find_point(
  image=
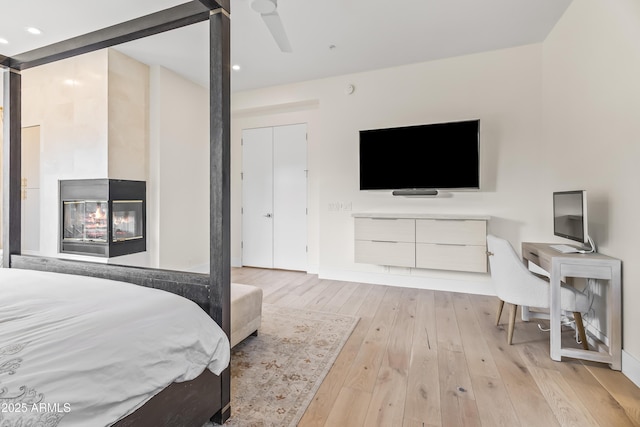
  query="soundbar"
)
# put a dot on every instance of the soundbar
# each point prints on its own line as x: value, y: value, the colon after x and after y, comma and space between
x: 415, y: 192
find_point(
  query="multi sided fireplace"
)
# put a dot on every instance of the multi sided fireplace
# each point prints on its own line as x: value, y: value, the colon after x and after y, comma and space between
x: 102, y: 217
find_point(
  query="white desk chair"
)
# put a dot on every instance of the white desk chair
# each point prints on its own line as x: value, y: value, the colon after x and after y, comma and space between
x: 516, y: 285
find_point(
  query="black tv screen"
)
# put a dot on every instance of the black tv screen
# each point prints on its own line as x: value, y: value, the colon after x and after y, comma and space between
x: 433, y: 156
x: 570, y: 215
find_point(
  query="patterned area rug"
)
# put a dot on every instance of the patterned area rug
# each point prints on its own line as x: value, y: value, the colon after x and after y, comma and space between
x: 275, y: 375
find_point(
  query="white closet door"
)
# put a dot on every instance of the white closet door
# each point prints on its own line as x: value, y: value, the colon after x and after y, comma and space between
x: 257, y: 197
x: 290, y: 197
x: 274, y: 197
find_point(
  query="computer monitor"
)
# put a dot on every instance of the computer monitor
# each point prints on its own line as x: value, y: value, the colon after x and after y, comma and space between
x: 570, y: 215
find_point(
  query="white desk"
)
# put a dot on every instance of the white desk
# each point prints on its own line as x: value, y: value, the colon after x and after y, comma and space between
x: 591, y: 266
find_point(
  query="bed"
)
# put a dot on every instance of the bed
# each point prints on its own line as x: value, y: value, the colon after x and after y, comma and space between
x: 174, y: 404
x: 86, y: 351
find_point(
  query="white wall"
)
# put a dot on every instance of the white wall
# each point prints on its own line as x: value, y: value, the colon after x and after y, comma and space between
x: 558, y: 115
x: 501, y: 88
x: 97, y: 121
x: 178, y: 205
x: 591, y: 107
x: 92, y: 113
x: 68, y: 100
x: 128, y: 110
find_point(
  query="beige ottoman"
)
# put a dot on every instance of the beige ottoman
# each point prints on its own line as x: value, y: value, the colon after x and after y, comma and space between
x: 246, y: 311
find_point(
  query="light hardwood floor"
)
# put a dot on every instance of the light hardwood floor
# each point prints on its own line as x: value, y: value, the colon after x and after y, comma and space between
x: 422, y: 358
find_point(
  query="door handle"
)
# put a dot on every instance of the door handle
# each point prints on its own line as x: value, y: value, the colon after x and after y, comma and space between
x: 269, y: 215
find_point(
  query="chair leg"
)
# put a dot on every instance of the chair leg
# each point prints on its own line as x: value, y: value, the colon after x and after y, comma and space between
x: 580, y: 327
x: 500, y: 306
x: 512, y: 322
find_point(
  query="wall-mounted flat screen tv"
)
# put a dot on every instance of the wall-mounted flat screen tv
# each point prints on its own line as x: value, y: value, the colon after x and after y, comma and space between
x: 431, y: 156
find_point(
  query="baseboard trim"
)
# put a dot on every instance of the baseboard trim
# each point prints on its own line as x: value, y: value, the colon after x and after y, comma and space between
x: 482, y: 286
x: 236, y: 262
x: 631, y: 367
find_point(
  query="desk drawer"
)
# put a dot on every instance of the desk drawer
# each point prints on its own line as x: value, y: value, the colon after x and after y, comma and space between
x: 452, y: 257
x: 540, y: 258
x: 457, y: 232
x: 385, y: 253
x: 390, y: 230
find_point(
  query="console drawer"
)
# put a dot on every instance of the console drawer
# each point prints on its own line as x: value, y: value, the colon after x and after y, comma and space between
x: 399, y: 254
x: 382, y: 229
x: 457, y: 232
x: 452, y: 257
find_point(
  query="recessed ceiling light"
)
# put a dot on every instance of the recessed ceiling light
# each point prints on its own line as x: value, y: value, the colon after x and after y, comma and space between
x: 235, y: 67
x: 33, y: 30
x: 4, y: 41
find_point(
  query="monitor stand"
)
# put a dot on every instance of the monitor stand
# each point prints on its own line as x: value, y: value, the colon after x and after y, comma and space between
x: 415, y: 192
x: 590, y: 247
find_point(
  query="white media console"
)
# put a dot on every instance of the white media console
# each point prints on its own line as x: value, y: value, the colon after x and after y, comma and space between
x: 443, y: 242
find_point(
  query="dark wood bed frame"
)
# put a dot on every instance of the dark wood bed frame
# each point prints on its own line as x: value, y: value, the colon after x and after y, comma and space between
x: 194, y: 402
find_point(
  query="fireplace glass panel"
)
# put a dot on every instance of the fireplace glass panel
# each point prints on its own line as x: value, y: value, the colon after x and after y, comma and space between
x: 102, y: 217
x: 85, y: 221
x: 127, y: 220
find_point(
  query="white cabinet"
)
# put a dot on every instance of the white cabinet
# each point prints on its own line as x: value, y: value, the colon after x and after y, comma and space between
x: 385, y: 253
x: 386, y: 229
x: 452, y: 232
x: 450, y: 242
x: 387, y: 241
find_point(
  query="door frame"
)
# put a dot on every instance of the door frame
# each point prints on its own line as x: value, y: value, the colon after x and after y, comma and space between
x: 306, y: 195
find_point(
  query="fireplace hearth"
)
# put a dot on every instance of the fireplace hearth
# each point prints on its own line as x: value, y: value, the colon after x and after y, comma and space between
x: 102, y: 217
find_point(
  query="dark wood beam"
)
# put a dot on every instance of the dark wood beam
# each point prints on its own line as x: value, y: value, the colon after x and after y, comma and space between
x: 5, y: 62
x: 216, y: 4
x: 191, y: 398
x: 155, y: 23
x: 193, y: 286
x: 11, y: 166
x: 220, y: 184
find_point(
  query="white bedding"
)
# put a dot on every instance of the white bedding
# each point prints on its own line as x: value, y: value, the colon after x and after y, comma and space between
x: 88, y: 351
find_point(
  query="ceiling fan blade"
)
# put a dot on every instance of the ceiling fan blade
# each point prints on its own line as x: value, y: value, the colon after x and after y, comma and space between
x: 274, y: 23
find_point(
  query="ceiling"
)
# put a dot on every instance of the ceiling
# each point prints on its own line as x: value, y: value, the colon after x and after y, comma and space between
x: 366, y: 34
